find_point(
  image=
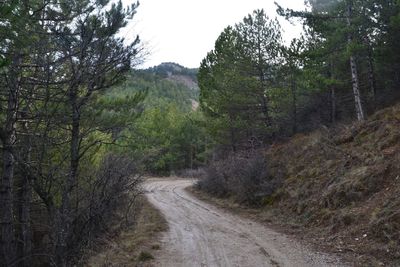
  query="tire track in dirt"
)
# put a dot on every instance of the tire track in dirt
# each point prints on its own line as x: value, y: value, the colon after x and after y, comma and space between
x: 203, y: 235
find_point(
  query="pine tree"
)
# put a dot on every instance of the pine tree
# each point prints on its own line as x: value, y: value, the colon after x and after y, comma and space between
x: 261, y: 40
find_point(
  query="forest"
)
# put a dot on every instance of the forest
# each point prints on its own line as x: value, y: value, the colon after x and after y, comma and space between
x: 81, y: 125
x: 307, y: 133
x: 61, y: 184
x: 168, y: 136
x: 343, y: 68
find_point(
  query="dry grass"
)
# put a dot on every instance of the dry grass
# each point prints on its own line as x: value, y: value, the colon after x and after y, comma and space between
x: 134, y: 247
x: 343, y: 185
x: 341, y: 189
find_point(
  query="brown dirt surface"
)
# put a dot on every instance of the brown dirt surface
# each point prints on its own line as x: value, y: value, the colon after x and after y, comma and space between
x: 201, y: 234
x: 342, y: 187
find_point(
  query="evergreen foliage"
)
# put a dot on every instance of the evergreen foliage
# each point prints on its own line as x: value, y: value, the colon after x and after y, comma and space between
x: 58, y: 58
x: 78, y: 123
x: 169, y: 135
x: 252, y: 87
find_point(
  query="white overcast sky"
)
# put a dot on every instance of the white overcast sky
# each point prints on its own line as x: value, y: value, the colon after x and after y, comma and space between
x: 183, y: 31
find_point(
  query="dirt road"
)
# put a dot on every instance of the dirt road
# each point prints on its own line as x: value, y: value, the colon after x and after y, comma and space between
x: 203, y: 235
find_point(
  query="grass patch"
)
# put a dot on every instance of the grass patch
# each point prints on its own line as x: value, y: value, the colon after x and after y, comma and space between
x: 130, y: 247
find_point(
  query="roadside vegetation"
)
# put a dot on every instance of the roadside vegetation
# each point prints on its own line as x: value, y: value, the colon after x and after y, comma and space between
x: 340, y: 186
x: 302, y: 133
x: 133, y: 246
x: 307, y: 132
x: 63, y: 186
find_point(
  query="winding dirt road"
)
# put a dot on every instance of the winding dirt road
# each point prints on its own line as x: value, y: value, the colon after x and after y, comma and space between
x: 203, y: 235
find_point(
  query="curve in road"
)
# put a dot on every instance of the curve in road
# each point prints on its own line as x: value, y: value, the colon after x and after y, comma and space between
x: 203, y: 235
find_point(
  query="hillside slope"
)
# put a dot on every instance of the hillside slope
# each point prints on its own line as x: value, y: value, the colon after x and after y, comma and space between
x: 165, y: 134
x: 345, y: 184
x: 166, y: 83
x: 338, y: 188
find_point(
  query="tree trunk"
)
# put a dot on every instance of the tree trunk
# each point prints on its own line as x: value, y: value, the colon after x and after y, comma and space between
x: 232, y: 135
x: 65, y: 217
x: 265, y: 110
x: 356, y: 89
x: 333, y: 105
x: 371, y: 76
x: 353, y: 66
x: 6, y: 202
x: 191, y: 157
x: 294, y: 104
x: 24, y: 247
x: 7, y: 237
x: 333, y: 95
x: 24, y: 194
x: 264, y: 97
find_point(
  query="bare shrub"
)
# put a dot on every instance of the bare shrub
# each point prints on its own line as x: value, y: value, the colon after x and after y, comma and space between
x: 192, y: 173
x: 107, y: 203
x: 243, y: 176
x: 214, y: 181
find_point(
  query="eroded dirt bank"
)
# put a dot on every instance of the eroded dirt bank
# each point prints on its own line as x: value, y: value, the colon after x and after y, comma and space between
x: 203, y: 235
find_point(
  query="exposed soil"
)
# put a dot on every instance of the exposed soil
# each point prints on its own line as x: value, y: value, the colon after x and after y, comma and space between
x: 341, y: 185
x: 336, y: 187
x: 203, y: 235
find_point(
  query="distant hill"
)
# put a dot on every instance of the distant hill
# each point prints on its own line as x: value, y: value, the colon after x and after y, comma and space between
x: 165, y: 83
x: 169, y: 69
x: 178, y: 74
x: 166, y: 136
